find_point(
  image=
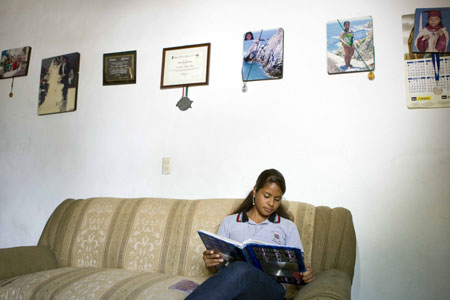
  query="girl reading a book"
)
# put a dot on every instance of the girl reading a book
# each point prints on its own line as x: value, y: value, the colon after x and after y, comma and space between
x: 262, y: 217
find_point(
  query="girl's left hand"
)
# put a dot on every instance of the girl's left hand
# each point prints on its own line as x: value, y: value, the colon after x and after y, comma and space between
x: 308, y: 276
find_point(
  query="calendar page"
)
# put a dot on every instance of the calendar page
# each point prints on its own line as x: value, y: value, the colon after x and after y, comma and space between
x: 420, y: 82
x: 420, y: 73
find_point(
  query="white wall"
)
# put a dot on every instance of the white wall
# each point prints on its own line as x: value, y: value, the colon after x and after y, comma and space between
x: 339, y: 140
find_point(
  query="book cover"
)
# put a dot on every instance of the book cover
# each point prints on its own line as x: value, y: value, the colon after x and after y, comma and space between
x: 281, y: 262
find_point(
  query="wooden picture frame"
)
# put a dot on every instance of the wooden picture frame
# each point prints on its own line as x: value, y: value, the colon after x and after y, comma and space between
x: 185, y: 66
x: 119, y: 68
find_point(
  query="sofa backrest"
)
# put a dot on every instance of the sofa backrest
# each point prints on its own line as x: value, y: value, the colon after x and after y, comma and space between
x: 160, y: 235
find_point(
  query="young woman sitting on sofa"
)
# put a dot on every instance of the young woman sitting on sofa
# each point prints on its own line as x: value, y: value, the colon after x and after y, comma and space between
x: 260, y: 217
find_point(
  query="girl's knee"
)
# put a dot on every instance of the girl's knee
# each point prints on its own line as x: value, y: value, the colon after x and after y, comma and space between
x: 240, y: 268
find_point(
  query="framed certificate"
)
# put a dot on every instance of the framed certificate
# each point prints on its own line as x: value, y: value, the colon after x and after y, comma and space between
x: 185, y: 66
x: 119, y: 68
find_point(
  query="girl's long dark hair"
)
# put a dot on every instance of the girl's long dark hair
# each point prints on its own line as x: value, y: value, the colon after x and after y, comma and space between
x: 267, y: 176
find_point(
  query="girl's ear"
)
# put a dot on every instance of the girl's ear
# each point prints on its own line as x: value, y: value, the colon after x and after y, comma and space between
x: 254, y: 191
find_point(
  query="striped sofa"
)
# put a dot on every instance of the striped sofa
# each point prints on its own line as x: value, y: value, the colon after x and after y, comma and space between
x: 111, y: 248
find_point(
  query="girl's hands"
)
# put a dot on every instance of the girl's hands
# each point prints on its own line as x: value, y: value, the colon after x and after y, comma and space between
x: 212, y: 258
x: 308, y: 276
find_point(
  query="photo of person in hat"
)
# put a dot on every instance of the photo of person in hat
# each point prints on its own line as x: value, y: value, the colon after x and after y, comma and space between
x: 434, y: 36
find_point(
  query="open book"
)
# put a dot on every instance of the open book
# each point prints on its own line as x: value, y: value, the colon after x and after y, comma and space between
x: 281, y: 262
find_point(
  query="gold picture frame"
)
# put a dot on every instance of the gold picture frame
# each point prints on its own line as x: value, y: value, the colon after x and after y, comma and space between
x: 119, y: 68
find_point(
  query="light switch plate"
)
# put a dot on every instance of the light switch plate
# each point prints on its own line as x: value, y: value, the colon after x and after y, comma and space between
x: 166, y: 165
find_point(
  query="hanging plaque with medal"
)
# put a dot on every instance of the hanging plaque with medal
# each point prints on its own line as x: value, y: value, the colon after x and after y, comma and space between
x: 263, y: 56
x: 183, y: 67
x: 350, y: 46
x: 427, y: 53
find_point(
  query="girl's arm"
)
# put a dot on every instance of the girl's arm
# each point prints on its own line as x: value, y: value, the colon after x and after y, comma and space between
x: 341, y: 36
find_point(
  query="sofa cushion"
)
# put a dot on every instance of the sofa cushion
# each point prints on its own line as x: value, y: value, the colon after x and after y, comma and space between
x: 92, y: 283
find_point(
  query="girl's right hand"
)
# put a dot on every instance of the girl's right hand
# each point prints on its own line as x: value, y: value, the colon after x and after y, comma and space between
x: 212, y: 258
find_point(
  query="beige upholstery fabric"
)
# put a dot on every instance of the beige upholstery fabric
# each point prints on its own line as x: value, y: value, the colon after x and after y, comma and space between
x: 330, y: 284
x: 92, y: 283
x: 111, y: 248
x: 152, y: 235
x: 23, y: 260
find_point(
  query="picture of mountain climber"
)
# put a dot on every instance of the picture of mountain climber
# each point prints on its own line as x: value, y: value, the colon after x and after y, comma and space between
x: 433, y: 37
x: 350, y: 45
x: 263, y: 55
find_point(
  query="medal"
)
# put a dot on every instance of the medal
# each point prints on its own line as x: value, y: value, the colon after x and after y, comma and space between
x: 11, y: 93
x: 371, y: 75
x: 244, y: 88
x: 184, y: 103
x: 437, y: 90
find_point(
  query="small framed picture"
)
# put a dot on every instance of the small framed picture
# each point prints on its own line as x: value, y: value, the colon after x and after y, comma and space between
x: 263, y: 55
x: 119, y: 68
x: 350, y: 46
x: 58, y: 84
x: 185, y: 66
x: 15, y: 62
x: 430, y: 30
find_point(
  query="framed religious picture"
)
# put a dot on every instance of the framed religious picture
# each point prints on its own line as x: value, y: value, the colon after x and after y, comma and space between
x: 58, y: 84
x: 350, y: 46
x: 185, y: 66
x: 119, y: 68
x: 430, y: 30
x: 263, y: 55
x: 15, y: 62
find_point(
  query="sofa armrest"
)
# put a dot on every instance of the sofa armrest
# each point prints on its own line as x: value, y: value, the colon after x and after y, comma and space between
x: 23, y: 260
x: 331, y: 284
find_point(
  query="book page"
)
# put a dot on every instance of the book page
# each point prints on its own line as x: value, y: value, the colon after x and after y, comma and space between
x: 236, y: 243
x: 251, y: 241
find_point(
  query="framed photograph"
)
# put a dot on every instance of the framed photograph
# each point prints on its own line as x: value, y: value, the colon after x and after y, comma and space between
x: 119, y: 68
x: 263, y: 55
x: 15, y: 62
x: 430, y: 30
x: 185, y: 66
x: 350, y: 46
x: 58, y: 84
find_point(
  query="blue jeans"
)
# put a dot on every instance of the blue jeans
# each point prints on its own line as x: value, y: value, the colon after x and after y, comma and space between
x: 239, y: 281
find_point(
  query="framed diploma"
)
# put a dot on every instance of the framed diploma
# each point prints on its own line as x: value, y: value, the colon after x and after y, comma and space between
x: 185, y: 66
x: 119, y: 68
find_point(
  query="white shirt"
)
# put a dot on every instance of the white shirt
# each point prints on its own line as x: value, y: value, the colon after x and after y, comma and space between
x: 275, y: 230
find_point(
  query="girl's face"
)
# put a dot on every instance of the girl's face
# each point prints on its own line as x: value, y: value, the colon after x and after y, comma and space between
x: 434, y: 21
x: 248, y: 36
x: 267, y: 199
